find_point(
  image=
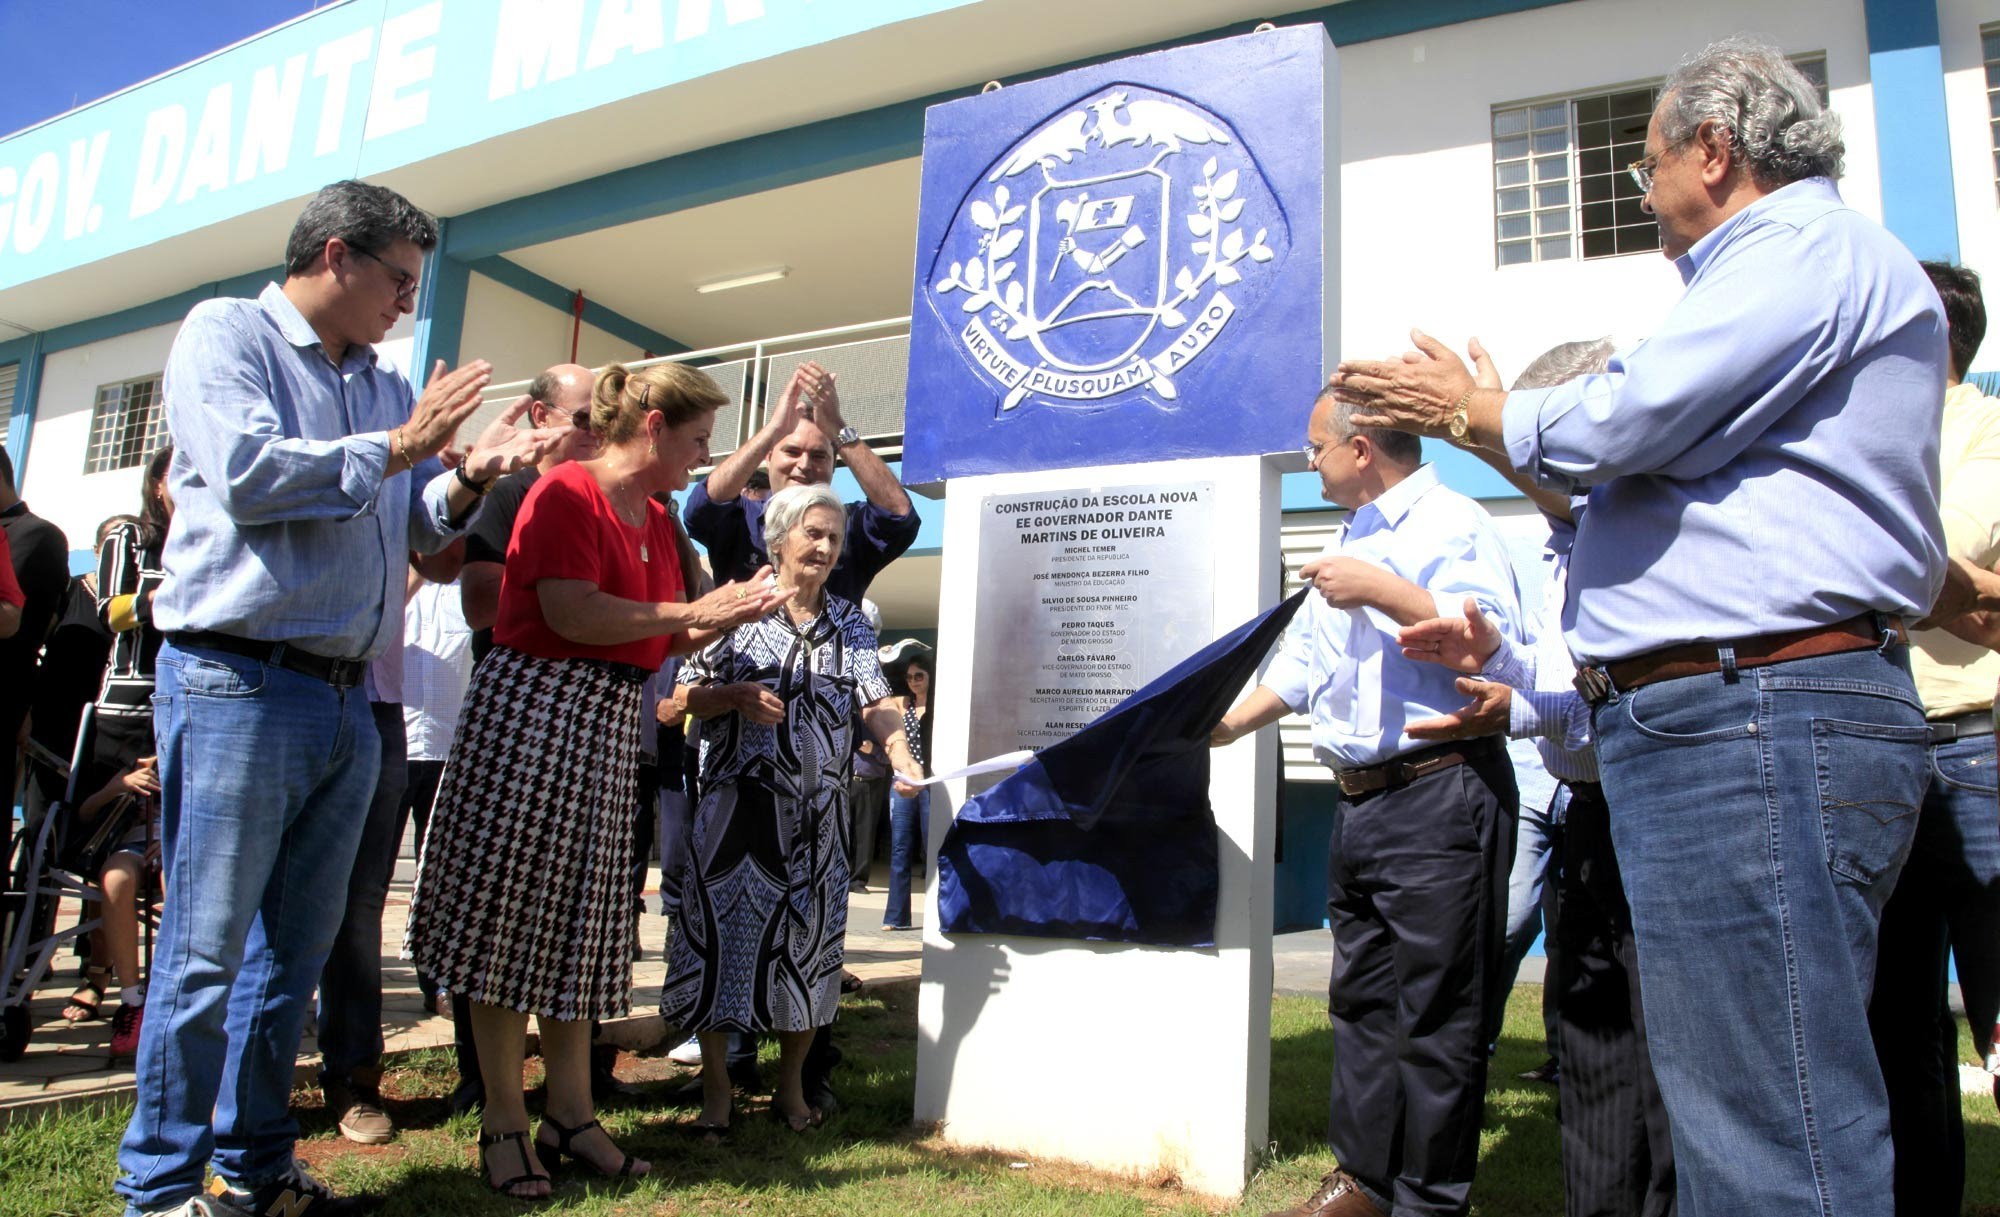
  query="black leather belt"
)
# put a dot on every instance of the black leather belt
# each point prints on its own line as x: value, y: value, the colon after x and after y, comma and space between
x: 624, y: 673
x: 1969, y: 725
x: 340, y: 673
x: 1401, y: 771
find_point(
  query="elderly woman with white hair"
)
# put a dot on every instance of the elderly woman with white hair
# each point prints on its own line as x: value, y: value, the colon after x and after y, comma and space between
x: 759, y: 942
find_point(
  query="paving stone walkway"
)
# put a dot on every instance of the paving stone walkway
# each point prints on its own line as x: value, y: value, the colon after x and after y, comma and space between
x: 69, y: 1064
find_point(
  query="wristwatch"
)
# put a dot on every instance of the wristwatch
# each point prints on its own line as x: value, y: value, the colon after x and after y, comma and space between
x: 847, y: 438
x: 1460, y: 424
x: 477, y: 488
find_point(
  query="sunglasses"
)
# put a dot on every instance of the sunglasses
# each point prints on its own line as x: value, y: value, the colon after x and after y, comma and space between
x: 406, y: 283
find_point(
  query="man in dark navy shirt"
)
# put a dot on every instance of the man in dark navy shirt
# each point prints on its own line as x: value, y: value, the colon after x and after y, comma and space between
x: 800, y: 440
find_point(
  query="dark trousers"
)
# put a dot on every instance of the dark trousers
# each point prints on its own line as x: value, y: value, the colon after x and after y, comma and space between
x: 1417, y: 892
x: 420, y: 793
x: 867, y: 803
x: 1947, y: 901
x: 1618, y: 1154
x: 350, y: 986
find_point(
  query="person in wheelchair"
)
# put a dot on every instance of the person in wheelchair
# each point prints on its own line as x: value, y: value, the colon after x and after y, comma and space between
x: 117, y: 839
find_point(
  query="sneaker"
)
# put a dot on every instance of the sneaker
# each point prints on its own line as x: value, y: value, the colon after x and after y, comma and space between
x: 125, y: 1030
x: 357, y: 1104
x: 688, y: 1053
x: 296, y: 1194
x: 193, y: 1206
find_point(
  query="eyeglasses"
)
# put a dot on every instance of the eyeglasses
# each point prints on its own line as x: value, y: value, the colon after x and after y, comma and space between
x: 1643, y: 168
x: 1315, y: 451
x: 406, y: 283
x: 580, y: 419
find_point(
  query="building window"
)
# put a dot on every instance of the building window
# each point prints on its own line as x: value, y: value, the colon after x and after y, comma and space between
x: 1560, y: 189
x: 10, y: 376
x: 1990, y: 37
x: 127, y: 425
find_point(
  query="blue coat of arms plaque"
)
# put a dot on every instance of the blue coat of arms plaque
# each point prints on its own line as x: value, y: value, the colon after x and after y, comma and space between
x: 1127, y: 262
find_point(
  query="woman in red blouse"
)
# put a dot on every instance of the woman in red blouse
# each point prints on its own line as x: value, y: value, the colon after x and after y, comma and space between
x: 523, y: 898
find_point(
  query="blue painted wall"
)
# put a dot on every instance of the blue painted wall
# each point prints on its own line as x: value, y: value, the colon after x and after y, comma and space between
x: 1906, y: 68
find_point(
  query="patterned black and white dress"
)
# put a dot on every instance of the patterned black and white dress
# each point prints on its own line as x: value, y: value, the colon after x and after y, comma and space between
x: 524, y: 891
x: 761, y: 935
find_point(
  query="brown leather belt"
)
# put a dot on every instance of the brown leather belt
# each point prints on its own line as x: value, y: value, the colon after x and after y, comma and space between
x: 1402, y: 770
x: 1865, y: 632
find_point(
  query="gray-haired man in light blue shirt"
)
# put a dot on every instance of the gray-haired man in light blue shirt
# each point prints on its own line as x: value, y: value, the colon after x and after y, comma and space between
x: 1762, y: 521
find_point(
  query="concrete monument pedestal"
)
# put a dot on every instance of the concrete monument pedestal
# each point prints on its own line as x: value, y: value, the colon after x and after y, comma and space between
x: 1081, y: 1050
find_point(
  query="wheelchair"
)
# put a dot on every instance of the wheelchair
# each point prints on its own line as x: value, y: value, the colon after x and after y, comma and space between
x: 56, y: 858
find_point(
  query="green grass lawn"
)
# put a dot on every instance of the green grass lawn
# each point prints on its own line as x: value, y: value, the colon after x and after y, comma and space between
x: 868, y: 1161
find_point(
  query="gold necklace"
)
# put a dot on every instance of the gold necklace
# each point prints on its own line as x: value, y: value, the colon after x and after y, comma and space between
x: 624, y: 515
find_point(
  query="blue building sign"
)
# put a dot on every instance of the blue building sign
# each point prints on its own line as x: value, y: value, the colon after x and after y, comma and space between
x: 1126, y: 262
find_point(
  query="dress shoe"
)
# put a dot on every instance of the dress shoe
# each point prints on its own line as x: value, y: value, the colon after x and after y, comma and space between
x: 468, y: 1096
x: 1338, y: 1196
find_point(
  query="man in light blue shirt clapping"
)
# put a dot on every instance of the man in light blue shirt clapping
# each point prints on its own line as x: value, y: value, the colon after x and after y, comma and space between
x: 1762, y: 521
x: 1423, y: 834
x: 302, y: 477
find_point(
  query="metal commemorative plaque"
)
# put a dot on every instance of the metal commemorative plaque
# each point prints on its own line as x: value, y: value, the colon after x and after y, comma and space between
x: 1085, y: 595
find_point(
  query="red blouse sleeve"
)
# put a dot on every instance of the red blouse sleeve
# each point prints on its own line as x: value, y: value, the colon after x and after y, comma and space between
x: 10, y: 588
x: 556, y: 536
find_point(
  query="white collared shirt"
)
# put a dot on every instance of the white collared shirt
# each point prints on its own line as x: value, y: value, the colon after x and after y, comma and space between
x: 1345, y: 668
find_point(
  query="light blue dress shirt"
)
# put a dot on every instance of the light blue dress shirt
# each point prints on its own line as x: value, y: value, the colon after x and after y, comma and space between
x: 284, y: 529
x: 1545, y: 706
x: 1345, y: 668
x: 1767, y: 461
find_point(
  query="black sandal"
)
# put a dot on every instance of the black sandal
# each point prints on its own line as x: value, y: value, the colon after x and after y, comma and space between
x: 81, y: 1009
x: 552, y: 1155
x: 520, y: 1138
x: 712, y: 1134
x: 813, y: 1118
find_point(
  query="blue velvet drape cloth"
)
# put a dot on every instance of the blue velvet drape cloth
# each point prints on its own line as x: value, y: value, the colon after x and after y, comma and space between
x: 1109, y: 835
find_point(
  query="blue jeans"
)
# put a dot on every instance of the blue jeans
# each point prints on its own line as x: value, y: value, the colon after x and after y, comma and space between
x: 350, y: 989
x: 1947, y: 902
x: 265, y: 777
x: 907, y: 817
x: 1760, y: 819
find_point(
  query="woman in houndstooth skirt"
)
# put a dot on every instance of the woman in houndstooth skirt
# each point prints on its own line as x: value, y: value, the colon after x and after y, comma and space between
x: 523, y: 898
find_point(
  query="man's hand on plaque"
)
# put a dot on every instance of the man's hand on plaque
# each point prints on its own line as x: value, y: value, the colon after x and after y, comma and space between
x: 1463, y: 644
x: 1486, y: 714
